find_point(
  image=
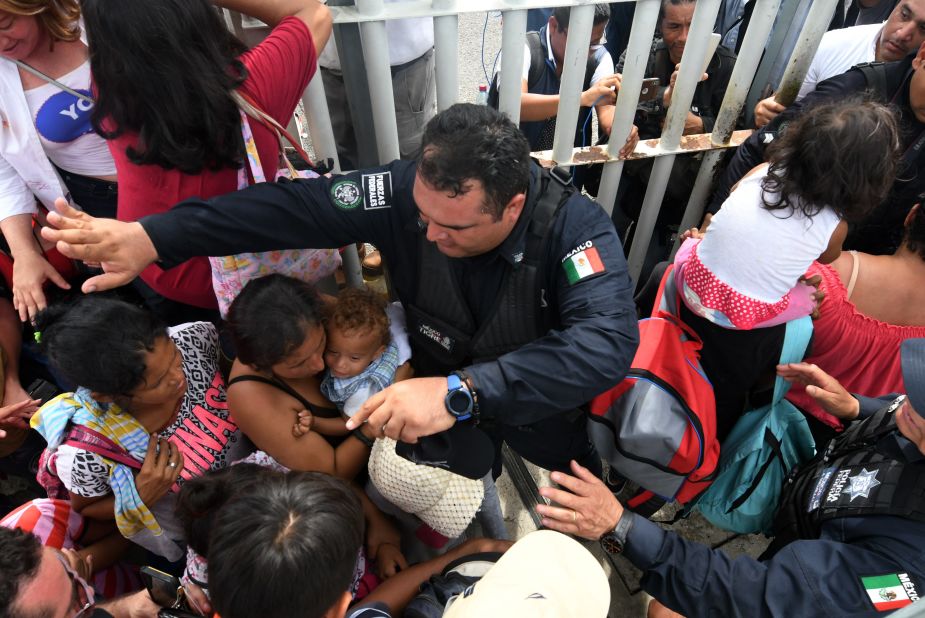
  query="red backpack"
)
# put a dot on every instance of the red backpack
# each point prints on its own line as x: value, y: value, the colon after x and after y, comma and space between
x: 657, y: 427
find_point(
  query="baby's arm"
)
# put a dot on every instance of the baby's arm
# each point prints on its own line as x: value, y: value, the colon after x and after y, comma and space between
x: 306, y: 421
x: 330, y: 426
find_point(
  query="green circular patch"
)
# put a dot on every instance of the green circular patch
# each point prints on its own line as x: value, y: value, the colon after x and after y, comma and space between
x: 346, y: 194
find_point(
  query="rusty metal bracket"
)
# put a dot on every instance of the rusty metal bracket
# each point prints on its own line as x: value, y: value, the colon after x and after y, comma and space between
x: 645, y: 149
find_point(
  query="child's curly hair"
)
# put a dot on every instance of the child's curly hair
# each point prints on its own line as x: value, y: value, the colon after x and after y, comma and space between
x: 360, y: 311
x: 843, y: 155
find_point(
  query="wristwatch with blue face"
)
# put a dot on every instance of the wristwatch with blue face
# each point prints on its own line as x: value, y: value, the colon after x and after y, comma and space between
x: 458, y: 400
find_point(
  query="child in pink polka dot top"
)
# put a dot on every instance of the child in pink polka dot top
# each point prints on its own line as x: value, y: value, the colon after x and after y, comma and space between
x: 831, y: 166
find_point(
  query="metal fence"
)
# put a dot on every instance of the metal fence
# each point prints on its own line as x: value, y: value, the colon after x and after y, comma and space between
x: 371, y: 15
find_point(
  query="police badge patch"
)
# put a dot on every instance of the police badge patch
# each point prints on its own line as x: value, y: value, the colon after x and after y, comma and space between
x: 346, y: 194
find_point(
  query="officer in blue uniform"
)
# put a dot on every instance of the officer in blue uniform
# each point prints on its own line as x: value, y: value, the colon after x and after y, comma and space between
x: 849, y: 528
x: 516, y: 290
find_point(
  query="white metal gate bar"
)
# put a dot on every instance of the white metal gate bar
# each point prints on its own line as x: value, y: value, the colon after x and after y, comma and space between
x: 319, y: 122
x: 574, y: 62
x: 694, y: 53
x: 446, y: 52
x: 817, y: 21
x: 379, y: 78
x: 513, y: 37
x: 637, y: 55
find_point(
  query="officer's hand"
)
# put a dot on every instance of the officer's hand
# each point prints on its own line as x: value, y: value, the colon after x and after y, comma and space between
x: 767, y: 110
x: 123, y: 249
x: 587, y: 509
x: 823, y: 388
x: 407, y: 410
x: 911, y: 425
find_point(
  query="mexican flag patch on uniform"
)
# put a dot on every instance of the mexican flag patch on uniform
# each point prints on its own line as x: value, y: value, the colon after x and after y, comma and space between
x: 888, y: 592
x: 582, y: 265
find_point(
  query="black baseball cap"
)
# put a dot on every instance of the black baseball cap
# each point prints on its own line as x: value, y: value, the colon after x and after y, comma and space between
x: 463, y: 449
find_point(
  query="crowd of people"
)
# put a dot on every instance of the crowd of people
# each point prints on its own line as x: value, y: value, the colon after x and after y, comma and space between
x: 212, y: 434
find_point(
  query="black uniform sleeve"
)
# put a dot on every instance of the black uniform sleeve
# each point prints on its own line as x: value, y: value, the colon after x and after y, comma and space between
x: 751, y: 152
x: 820, y: 577
x: 870, y: 405
x: 317, y: 213
x: 596, y: 342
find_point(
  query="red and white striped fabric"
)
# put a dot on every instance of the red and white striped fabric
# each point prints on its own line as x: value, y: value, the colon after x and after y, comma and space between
x: 58, y: 526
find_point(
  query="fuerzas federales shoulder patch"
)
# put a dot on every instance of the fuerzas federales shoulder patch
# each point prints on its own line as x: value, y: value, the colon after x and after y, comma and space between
x: 891, y: 591
x: 582, y: 262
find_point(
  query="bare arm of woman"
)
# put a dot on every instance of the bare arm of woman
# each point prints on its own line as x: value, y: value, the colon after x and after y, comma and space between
x: 105, y: 552
x: 100, y: 507
x: 832, y: 252
x: 265, y: 416
x: 30, y: 268
x: 315, y: 15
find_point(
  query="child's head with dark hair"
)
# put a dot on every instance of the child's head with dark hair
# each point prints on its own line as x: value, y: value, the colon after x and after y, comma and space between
x: 105, y: 345
x: 275, y: 323
x: 288, y: 547
x: 358, y: 331
x: 839, y: 155
x: 201, y: 498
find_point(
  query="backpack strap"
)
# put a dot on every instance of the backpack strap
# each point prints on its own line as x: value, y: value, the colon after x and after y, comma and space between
x: 796, y: 340
x: 537, y: 59
x: 875, y: 74
x: 87, y: 439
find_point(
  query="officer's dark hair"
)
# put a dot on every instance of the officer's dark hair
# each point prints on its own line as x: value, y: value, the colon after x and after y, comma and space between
x: 840, y: 155
x: 99, y: 343
x: 164, y: 69
x: 20, y: 557
x: 665, y: 4
x: 286, y: 548
x: 914, y: 233
x: 271, y: 317
x: 475, y: 142
x: 601, y: 15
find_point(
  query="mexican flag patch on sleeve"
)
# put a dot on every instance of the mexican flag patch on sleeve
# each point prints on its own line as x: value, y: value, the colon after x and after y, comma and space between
x: 582, y: 265
x: 888, y: 592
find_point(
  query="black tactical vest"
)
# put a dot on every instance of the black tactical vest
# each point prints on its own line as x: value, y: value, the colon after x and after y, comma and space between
x: 445, y: 336
x: 852, y: 478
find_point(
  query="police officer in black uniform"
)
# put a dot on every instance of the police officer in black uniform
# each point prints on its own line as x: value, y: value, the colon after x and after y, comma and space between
x: 518, y: 299
x: 849, y: 528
